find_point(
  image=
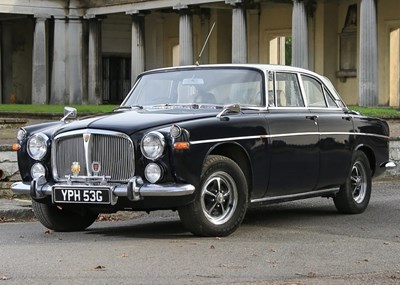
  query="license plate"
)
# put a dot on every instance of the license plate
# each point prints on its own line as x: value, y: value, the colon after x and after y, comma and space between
x: 96, y: 195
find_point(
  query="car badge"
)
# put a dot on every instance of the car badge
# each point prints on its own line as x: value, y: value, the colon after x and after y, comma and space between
x: 96, y: 167
x: 86, y: 137
x: 75, y: 168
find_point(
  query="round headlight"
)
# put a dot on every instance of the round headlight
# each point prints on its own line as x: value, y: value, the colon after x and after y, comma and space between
x: 153, y: 145
x: 21, y: 134
x: 37, y: 146
x: 38, y: 170
x: 153, y: 172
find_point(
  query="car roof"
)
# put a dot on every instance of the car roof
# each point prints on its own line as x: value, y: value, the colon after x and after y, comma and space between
x: 263, y: 67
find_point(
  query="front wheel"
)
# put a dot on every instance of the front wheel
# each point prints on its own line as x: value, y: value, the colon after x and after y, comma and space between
x: 221, y: 202
x: 355, y: 193
x: 63, y: 219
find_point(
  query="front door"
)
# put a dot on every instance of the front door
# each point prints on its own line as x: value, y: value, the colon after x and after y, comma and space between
x: 293, y: 140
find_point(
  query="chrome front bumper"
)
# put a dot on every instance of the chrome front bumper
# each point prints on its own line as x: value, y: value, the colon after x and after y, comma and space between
x: 134, y: 190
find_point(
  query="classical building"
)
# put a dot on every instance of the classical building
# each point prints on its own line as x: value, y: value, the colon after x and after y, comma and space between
x: 90, y: 51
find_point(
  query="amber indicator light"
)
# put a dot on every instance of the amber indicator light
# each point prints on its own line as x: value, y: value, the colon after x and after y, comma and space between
x: 15, y: 147
x: 181, y: 145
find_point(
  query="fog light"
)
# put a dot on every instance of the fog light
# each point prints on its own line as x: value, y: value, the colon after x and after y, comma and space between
x: 175, y: 131
x: 153, y: 172
x: 38, y: 170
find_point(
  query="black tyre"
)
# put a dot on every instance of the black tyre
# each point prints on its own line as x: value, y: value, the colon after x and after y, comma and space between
x: 63, y: 220
x: 355, y: 193
x: 221, y: 200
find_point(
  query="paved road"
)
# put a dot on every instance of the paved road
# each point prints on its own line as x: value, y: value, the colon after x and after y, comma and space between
x: 305, y: 242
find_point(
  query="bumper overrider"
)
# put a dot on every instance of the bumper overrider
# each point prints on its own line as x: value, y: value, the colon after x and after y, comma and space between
x: 134, y: 190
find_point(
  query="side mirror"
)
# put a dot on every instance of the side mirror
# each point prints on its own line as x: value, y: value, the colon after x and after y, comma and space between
x: 69, y: 113
x: 229, y: 109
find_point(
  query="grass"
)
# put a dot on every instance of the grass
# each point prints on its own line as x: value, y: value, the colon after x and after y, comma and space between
x: 381, y: 112
x: 23, y: 108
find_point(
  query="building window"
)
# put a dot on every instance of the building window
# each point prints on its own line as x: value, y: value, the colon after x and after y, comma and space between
x: 348, y: 45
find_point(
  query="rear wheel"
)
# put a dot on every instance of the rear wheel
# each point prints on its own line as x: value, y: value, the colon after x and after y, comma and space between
x: 221, y: 201
x: 63, y: 219
x: 355, y: 193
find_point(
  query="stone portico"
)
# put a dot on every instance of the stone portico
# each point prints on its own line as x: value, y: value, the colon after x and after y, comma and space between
x: 92, y: 51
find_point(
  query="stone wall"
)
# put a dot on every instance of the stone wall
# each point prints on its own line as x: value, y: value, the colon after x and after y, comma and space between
x: 9, y: 169
x: 394, y: 156
x: 8, y: 172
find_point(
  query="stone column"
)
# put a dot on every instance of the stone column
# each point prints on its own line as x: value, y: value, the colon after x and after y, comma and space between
x: 75, y: 60
x: 95, y: 87
x: 138, y: 45
x: 368, y: 66
x: 58, y: 74
x: 239, y: 34
x: 39, y: 62
x: 299, y: 35
x: 185, y: 36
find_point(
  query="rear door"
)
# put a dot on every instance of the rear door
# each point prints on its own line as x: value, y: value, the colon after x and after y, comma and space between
x: 335, y: 128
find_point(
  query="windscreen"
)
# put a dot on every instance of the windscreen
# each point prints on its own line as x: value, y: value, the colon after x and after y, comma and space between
x: 199, y: 85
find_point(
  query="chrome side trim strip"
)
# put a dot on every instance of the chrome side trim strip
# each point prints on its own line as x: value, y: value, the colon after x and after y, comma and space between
x: 230, y: 139
x: 285, y: 135
x: 296, y: 196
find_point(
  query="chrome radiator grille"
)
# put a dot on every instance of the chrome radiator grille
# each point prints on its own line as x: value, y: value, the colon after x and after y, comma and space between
x: 112, y: 152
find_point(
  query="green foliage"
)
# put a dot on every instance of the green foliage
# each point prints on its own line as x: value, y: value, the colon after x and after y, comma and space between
x: 380, y: 112
x: 54, y: 109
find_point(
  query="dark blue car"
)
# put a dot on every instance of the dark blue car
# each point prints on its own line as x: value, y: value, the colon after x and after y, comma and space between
x: 208, y: 141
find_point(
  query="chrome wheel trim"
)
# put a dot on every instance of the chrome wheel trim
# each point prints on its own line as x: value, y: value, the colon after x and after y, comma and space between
x: 219, y: 198
x: 358, y: 182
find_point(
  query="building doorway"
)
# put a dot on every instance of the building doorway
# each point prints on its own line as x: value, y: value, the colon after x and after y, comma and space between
x: 280, y: 50
x: 116, y: 79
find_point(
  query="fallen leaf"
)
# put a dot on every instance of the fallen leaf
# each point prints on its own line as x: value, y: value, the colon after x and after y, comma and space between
x: 309, y: 274
x: 232, y: 266
x: 100, y: 268
x: 5, y: 277
x: 312, y: 274
x: 209, y: 276
x: 363, y: 260
x: 212, y: 247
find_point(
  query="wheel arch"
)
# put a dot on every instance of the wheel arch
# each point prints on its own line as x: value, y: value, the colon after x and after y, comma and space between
x: 239, y: 155
x: 369, y: 153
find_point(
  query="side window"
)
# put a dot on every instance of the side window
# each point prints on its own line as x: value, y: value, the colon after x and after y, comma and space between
x: 329, y: 99
x: 287, y: 90
x: 313, y: 92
